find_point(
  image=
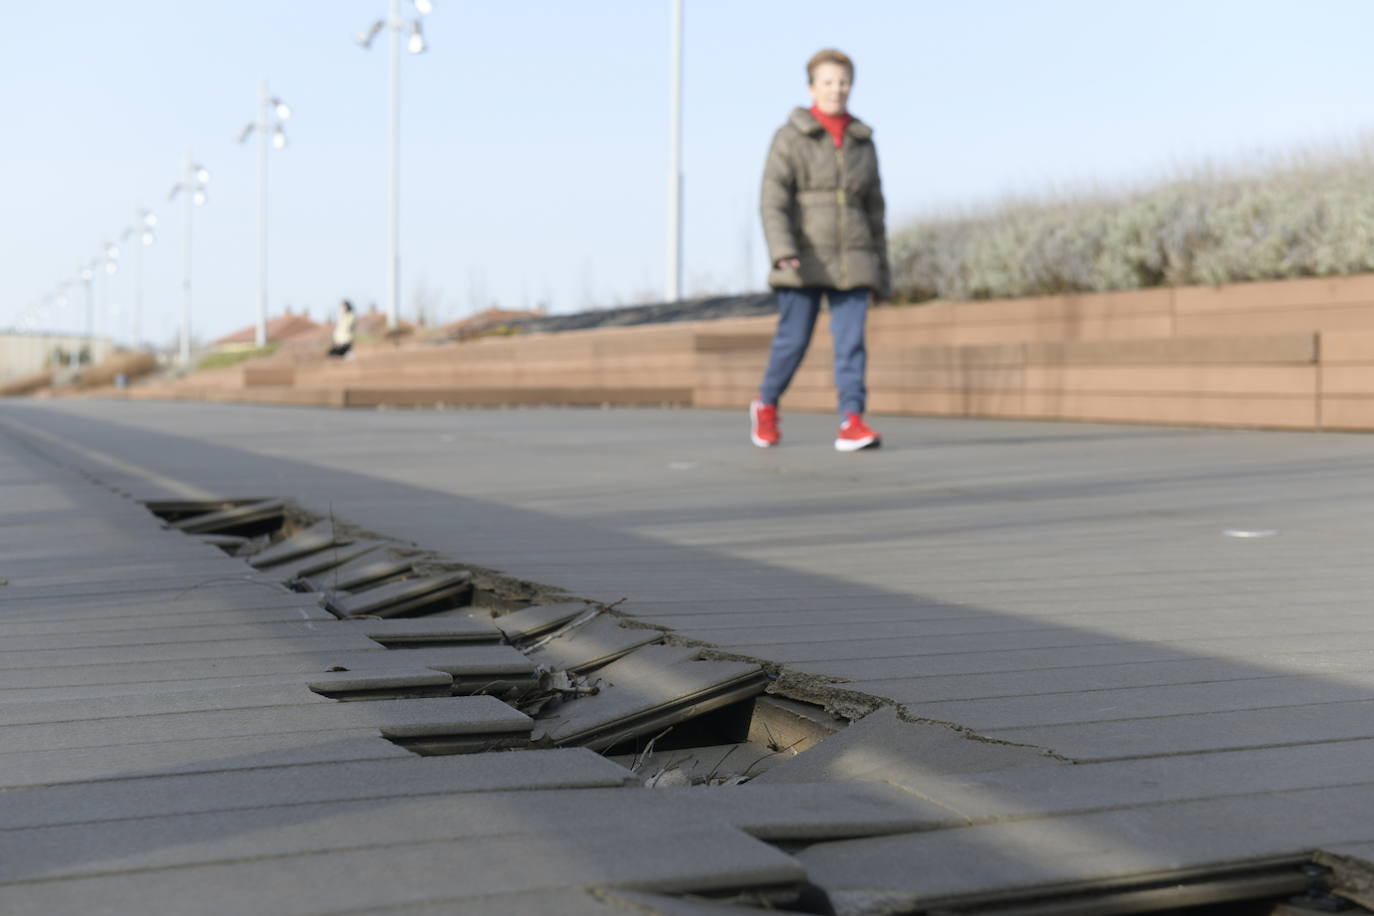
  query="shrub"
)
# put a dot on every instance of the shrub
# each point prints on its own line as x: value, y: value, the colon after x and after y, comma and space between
x: 1302, y: 216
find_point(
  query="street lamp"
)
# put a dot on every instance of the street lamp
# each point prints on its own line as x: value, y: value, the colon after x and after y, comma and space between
x: 415, y: 44
x: 673, y: 285
x: 87, y: 274
x: 140, y: 235
x: 193, y: 187
x: 272, y: 113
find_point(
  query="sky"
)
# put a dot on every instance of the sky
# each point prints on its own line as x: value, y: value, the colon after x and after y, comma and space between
x: 535, y: 133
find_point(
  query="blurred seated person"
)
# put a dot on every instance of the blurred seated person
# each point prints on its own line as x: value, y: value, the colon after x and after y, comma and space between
x: 343, y: 330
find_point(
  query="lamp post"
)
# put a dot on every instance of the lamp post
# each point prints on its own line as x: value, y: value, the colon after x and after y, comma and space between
x: 109, y: 267
x: 140, y: 235
x: 415, y: 44
x: 193, y: 188
x: 87, y: 275
x: 272, y: 113
x: 673, y: 285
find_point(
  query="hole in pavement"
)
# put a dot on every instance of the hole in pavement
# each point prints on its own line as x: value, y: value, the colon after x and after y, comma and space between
x: 585, y: 675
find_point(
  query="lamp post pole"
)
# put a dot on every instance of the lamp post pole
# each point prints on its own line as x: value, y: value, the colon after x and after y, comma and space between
x: 673, y: 286
x: 394, y: 23
x: 264, y: 101
x: 393, y: 195
x: 185, y: 343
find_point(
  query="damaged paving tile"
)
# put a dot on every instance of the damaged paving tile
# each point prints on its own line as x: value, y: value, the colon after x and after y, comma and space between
x: 370, y: 567
x: 424, y: 631
x: 591, y: 645
x: 228, y: 519
x: 646, y: 692
x: 318, y: 536
x: 316, y: 563
x: 402, y: 597
x: 882, y: 747
x: 1352, y: 870
x: 531, y: 622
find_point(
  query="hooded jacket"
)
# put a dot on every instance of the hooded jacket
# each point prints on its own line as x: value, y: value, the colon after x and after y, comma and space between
x: 824, y: 205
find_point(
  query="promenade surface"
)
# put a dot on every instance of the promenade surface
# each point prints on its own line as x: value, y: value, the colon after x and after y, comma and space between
x: 1074, y: 665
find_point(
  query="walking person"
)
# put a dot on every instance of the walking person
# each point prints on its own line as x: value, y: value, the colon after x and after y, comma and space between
x: 343, y: 330
x: 823, y: 218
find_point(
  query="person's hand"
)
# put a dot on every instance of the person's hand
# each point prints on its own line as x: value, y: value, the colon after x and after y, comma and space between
x: 788, y: 262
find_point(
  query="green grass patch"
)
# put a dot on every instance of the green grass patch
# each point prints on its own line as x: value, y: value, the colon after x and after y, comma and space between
x: 223, y: 359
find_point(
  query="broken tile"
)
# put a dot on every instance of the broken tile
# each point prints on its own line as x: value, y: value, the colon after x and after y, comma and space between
x: 531, y: 622
x: 592, y: 644
x: 228, y: 519
x: 424, y: 632
x: 318, y: 536
x: 316, y: 563
x: 401, y: 597
x: 646, y: 692
x: 356, y: 573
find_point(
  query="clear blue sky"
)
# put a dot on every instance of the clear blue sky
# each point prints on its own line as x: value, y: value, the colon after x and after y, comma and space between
x: 535, y: 133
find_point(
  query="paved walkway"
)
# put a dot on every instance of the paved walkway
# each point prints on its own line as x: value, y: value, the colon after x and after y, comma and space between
x: 1068, y: 592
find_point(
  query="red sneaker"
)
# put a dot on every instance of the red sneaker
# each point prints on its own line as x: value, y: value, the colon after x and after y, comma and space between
x: 763, y: 424
x: 856, y: 434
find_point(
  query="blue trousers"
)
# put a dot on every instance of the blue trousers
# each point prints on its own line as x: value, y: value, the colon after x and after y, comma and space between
x: 797, y: 311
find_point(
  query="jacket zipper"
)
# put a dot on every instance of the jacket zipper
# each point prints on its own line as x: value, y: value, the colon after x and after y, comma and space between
x: 839, y: 220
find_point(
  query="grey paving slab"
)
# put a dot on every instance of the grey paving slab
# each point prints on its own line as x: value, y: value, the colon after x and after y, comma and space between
x: 881, y: 747
x: 538, y: 620
x: 225, y: 519
x: 304, y: 691
x: 136, y: 589
x: 309, y: 540
x: 697, y: 858
x: 298, y: 632
x: 426, y: 630
x: 1201, y: 732
x: 195, y: 649
x: 318, y: 562
x: 647, y: 691
x: 1159, y: 700
x: 397, y: 677
x: 52, y: 623
x: 182, y: 840
x: 594, y: 643
x: 922, y: 870
x: 1356, y: 662
x: 1019, y: 792
x: 476, y: 715
x: 396, y: 598
x: 158, y: 759
x: 207, y: 598
x: 308, y: 783
x: 370, y: 567
x: 461, y: 660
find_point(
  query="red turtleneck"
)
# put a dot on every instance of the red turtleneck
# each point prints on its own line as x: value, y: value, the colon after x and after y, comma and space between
x: 835, y: 124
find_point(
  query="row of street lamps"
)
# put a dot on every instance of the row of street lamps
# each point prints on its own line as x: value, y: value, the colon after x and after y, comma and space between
x: 270, y: 128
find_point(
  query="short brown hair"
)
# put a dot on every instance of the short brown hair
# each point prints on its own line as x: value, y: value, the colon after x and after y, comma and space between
x: 828, y: 56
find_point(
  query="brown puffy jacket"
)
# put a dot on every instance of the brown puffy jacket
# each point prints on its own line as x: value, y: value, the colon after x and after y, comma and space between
x: 824, y: 205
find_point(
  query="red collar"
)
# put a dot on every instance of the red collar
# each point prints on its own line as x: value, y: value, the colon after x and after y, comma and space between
x: 835, y: 124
